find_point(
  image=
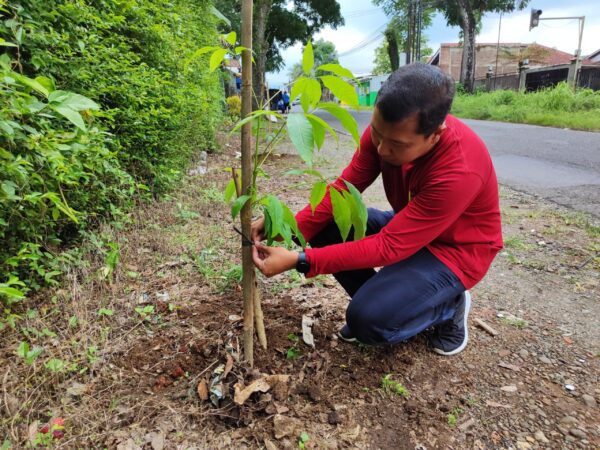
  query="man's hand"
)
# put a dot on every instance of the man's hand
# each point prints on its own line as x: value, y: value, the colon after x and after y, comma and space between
x: 273, y: 260
x: 257, y: 233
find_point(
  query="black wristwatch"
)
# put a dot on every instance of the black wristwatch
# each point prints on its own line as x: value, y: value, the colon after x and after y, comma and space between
x: 302, y: 265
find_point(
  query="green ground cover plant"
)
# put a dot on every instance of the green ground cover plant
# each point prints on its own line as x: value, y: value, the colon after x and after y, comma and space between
x: 102, y: 104
x: 556, y: 107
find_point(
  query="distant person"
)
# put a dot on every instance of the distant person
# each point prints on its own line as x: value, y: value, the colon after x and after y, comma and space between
x: 281, y: 105
x: 238, y: 84
x: 286, y: 101
x: 438, y: 240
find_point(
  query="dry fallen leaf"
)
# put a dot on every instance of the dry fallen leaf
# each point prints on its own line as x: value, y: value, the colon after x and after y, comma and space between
x: 203, y: 389
x: 262, y: 384
x: 228, y: 366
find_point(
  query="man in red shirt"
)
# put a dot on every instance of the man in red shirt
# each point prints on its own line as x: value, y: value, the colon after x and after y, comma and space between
x: 437, y: 242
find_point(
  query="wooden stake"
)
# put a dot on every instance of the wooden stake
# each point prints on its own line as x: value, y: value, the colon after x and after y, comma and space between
x: 259, y: 319
x: 248, y: 274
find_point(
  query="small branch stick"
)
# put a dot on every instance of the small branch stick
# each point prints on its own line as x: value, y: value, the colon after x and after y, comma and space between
x: 486, y: 327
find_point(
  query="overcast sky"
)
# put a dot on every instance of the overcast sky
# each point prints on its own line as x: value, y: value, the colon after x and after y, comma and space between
x: 365, y: 24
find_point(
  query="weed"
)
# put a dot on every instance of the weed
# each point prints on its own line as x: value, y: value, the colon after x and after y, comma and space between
x: 453, y: 416
x: 105, y: 312
x: 390, y: 386
x: 293, y: 352
x: 145, y: 311
x: 304, y: 438
x: 29, y: 355
x: 516, y: 243
x: 514, y: 322
x: 184, y: 214
x: 55, y: 365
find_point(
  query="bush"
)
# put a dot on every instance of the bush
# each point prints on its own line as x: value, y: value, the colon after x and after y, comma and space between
x: 65, y: 167
x: 234, y: 106
x: 545, y: 107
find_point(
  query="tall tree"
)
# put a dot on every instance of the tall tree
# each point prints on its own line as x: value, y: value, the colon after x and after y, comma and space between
x: 279, y: 24
x: 387, y: 55
x: 404, y: 25
x: 467, y: 15
x: 324, y: 53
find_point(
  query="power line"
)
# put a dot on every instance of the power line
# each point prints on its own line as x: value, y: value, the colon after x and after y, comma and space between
x: 376, y: 35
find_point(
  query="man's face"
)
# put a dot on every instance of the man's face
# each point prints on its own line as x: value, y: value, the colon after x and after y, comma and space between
x: 399, y: 143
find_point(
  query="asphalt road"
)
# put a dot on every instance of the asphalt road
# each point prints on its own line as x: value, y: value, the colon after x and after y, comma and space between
x: 562, y: 166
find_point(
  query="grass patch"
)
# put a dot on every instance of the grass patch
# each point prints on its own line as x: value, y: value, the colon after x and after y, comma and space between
x: 555, y: 107
x: 393, y: 387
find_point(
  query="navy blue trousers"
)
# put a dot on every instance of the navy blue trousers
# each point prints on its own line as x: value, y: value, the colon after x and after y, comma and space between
x: 400, y: 300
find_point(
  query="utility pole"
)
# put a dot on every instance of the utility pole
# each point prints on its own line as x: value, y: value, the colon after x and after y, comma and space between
x: 497, y: 50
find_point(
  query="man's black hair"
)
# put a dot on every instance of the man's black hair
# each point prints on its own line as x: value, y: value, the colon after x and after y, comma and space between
x: 417, y: 88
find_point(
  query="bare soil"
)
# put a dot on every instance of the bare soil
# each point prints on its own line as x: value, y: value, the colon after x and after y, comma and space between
x: 533, y: 385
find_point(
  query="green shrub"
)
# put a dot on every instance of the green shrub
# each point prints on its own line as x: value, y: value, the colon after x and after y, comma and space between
x: 68, y: 161
x: 234, y: 106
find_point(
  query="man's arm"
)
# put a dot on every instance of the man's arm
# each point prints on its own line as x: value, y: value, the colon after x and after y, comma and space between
x: 428, y: 215
x: 361, y: 172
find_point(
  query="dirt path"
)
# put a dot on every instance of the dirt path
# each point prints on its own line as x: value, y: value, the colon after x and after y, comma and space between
x: 134, y: 374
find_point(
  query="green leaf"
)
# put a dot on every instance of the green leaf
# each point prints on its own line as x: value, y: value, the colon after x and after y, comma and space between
x: 72, y: 116
x: 341, y: 213
x: 238, y: 204
x: 324, y: 124
x: 274, y: 208
x: 68, y: 211
x: 71, y: 100
x: 229, y: 191
x: 105, y: 312
x: 301, y: 134
x: 359, y: 212
x: 308, y: 58
x: 11, y: 292
x: 341, y: 89
x: 298, y: 89
x: 337, y: 69
x: 290, y: 220
x: 4, y: 43
x: 55, y: 365
x: 48, y: 83
x: 312, y: 172
x: 312, y: 89
x: 345, y: 118
x: 231, y: 38
x: 318, y: 132
x: 216, y: 58
x: 36, y: 86
x: 23, y: 349
x: 317, y: 194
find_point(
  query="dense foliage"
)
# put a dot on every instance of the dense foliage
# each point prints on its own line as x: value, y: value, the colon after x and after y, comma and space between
x: 143, y: 106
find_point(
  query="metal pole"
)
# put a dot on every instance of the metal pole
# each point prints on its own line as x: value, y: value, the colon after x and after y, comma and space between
x: 497, y: 49
x: 578, y: 56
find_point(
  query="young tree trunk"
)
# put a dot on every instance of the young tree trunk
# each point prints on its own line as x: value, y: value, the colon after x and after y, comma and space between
x: 248, y: 274
x: 260, y: 50
x: 467, y: 67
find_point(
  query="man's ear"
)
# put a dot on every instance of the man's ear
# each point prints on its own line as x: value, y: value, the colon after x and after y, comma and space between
x: 437, y: 134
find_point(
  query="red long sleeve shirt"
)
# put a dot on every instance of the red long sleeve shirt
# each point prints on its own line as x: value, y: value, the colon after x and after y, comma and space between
x: 446, y: 200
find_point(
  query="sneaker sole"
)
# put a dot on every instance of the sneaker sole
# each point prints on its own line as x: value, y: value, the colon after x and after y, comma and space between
x: 350, y: 340
x: 466, y: 339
